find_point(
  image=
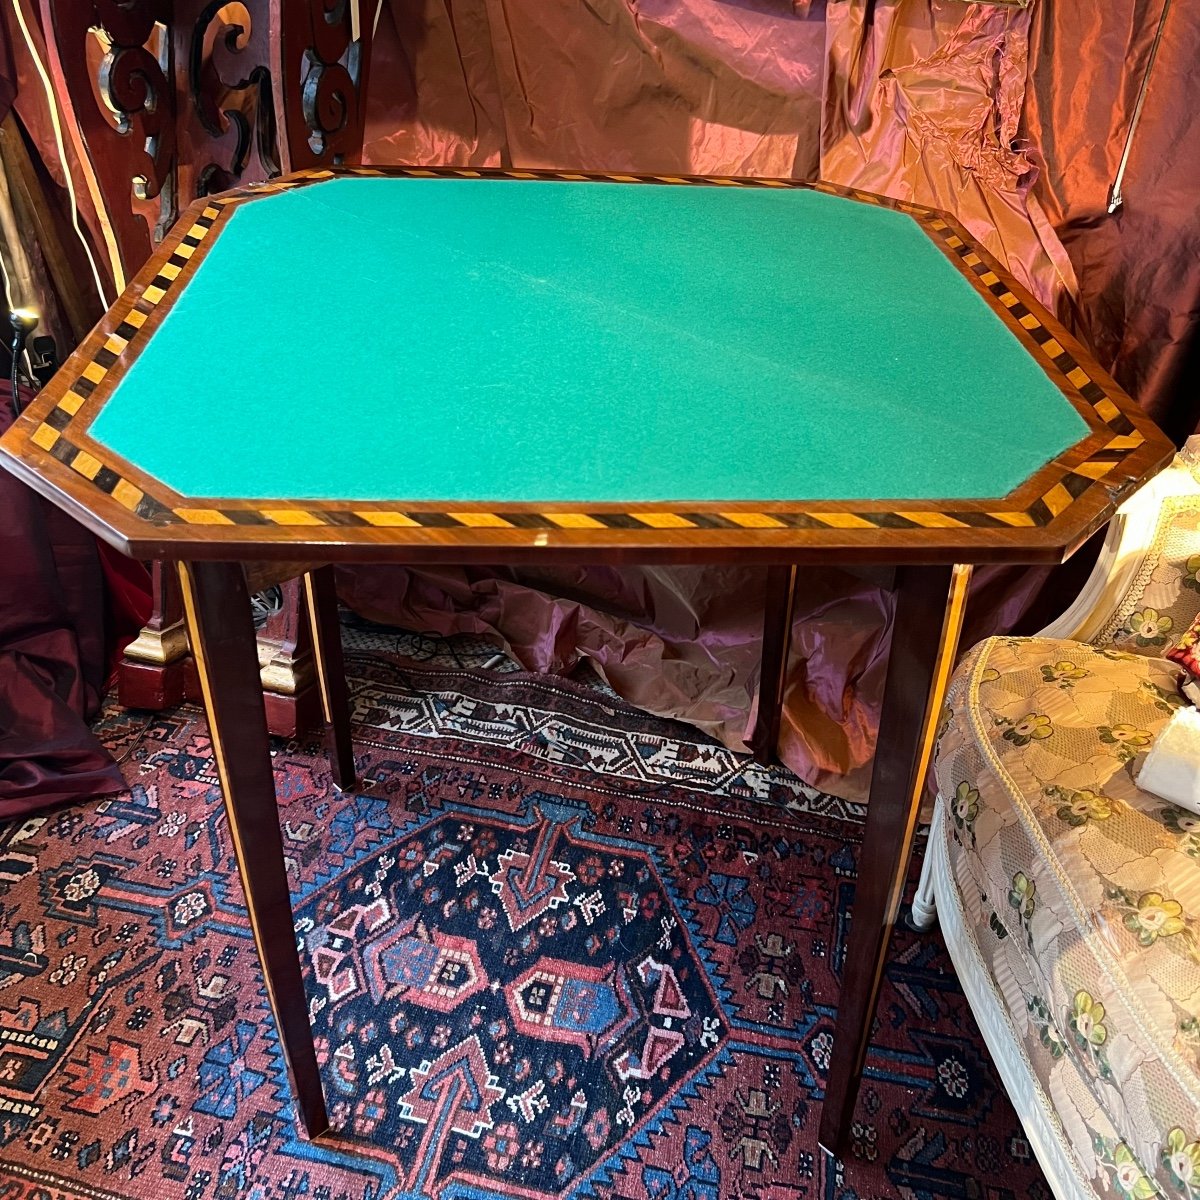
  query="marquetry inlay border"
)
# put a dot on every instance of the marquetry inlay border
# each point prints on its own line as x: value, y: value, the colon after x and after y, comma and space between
x: 57, y: 423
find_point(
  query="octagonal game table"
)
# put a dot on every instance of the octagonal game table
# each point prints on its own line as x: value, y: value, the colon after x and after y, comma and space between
x: 464, y: 366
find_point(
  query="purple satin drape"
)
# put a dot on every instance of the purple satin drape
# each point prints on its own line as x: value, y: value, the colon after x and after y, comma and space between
x: 54, y: 653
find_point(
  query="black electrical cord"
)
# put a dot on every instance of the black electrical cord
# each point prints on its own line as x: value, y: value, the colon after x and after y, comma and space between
x: 23, y: 322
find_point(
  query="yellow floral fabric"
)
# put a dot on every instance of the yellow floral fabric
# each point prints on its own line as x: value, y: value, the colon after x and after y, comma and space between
x: 1161, y: 600
x: 1083, y: 894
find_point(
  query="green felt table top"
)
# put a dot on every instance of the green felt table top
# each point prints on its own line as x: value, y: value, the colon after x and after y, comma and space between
x: 465, y: 340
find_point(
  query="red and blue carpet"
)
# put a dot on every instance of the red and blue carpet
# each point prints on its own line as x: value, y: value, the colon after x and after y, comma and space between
x: 555, y: 948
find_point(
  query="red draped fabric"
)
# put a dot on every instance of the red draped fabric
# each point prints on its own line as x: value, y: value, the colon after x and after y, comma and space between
x: 68, y: 605
x: 62, y: 626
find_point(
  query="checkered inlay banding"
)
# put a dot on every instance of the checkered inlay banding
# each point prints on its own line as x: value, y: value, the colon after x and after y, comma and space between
x: 52, y: 434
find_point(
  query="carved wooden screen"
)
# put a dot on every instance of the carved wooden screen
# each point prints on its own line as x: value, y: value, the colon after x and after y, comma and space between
x: 167, y: 100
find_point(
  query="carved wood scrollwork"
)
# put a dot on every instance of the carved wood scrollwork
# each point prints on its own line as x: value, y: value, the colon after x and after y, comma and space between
x: 134, y: 84
x: 166, y: 100
x: 228, y: 132
x: 320, y: 79
x: 110, y: 61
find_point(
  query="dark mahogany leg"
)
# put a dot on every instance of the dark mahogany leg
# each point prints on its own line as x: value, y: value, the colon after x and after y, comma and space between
x: 331, y: 672
x: 929, y: 611
x: 776, y: 641
x: 217, y: 605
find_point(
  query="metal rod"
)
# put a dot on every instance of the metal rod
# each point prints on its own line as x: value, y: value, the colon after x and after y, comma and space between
x: 1115, y: 199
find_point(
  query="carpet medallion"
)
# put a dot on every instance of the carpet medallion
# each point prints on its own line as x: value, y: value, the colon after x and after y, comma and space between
x: 594, y: 960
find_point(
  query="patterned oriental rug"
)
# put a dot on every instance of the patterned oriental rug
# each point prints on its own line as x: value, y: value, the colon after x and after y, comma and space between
x: 555, y: 948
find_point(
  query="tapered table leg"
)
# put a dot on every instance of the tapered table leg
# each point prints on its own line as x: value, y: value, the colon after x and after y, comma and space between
x: 928, y: 619
x: 321, y: 596
x: 776, y: 641
x: 217, y: 606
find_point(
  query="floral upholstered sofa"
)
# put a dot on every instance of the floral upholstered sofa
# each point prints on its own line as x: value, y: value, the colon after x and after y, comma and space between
x: 1069, y: 898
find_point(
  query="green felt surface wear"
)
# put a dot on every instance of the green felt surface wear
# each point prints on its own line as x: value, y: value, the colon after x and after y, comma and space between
x: 470, y: 340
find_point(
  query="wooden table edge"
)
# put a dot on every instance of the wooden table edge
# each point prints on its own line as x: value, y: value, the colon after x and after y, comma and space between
x: 1024, y: 545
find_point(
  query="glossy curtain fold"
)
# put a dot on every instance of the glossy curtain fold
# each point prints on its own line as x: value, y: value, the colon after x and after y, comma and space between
x: 54, y: 645
x: 662, y: 85
x: 1138, y: 270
